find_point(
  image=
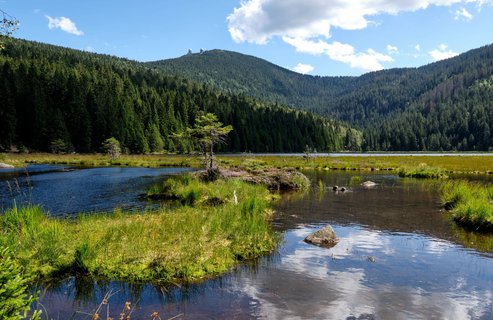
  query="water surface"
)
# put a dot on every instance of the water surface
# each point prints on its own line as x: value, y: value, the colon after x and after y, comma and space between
x: 66, y: 191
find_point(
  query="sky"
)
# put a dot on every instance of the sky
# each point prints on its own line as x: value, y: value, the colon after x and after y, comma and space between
x: 317, y: 37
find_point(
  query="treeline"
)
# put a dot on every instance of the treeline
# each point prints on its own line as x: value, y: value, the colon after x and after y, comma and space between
x: 52, y: 96
x: 442, y: 106
x: 463, y: 122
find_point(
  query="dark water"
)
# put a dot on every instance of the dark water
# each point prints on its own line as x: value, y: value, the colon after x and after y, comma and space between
x: 65, y: 191
x: 399, y: 257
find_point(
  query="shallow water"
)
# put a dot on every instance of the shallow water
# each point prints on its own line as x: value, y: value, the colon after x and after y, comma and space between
x: 66, y: 191
x: 399, y: 257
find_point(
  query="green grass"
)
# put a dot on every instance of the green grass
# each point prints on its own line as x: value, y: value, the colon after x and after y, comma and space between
x: 422, y: 171
x: 449, y: 164
x: 471, y: 204
x: 183, y: 244
x: 91, y: 160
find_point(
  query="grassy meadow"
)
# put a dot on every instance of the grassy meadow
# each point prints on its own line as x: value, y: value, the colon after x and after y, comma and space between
x: 445, y: 164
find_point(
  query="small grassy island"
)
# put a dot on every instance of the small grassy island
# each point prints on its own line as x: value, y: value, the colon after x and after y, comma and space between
x: 219, y: 224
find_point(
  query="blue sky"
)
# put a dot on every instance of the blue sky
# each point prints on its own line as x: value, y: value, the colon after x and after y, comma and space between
x: 319, y: 37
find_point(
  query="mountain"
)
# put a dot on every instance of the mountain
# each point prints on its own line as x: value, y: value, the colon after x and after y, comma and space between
x: 238, y: 73
x: 445, y: 105
x: 58, y: 98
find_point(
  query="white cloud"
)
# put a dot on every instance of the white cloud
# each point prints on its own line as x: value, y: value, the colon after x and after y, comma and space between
x: 462, y: 13
x: 392, y: 49
x: 303, y: 68
x: 417, y: 47
x: 64, y: 24
x: 259, y: 20
x: 368, y: 61
x: 442, y: 53
x: 307, y: 46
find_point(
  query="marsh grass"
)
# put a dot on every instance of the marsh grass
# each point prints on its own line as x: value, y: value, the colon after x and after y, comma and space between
x: 470, y: 203
x: 184, y: 244
x: 95, y: 159
x: 422, y: 171
x: 450, y: 164
x: 104, y: 310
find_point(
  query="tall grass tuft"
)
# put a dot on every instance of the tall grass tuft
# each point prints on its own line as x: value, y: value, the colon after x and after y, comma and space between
x: 422, y: 171
x: 25, y: 221
x: 471, y: 204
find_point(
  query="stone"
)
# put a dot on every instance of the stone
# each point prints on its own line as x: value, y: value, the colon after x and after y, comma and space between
x: 337, y: 188
x: 6, y: 166
x: 369, y: 184
x: 325, y: 237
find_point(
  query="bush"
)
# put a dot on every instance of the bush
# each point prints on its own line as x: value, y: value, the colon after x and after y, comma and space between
x: 112, y: 147
x: 15, y: 303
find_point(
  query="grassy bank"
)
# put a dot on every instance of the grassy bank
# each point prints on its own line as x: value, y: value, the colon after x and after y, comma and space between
x: 448, y: 164
x: 471, y: 204
x: 205, y: 237
x: 96, y: 159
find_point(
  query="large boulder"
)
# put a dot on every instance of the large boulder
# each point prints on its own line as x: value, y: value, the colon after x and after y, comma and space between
x: 325, y: 237
x: 5, y: 166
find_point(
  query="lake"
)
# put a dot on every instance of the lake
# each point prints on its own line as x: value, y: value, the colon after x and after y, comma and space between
x: 68, y: 190
x: 399, y: 257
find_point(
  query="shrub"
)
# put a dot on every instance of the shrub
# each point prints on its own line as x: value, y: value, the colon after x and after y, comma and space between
x: 15, y: 302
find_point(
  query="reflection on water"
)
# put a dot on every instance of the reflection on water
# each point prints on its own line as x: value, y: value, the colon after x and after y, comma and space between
x: 411, y: 277
x: 399, y: 257
x: 69, y: 190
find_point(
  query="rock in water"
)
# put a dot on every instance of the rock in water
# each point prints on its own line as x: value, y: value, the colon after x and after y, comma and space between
x: 325, y: 237
x: 5, y: 166
x: 369, y: 184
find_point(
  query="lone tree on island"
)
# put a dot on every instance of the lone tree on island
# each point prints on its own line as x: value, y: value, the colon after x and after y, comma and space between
x: 207, y: 132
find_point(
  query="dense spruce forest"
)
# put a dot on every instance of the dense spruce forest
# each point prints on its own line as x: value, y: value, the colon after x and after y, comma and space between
x: 52, y: 96
x: 446, y: 105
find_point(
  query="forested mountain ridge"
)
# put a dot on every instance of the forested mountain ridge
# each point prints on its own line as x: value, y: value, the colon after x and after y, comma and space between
x: 238, y: 73
x: 435, y: 107
x: 78, y: 99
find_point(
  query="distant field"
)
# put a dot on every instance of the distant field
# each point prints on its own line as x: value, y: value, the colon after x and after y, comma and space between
x: 451, y: 163
x: 462, y: 163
